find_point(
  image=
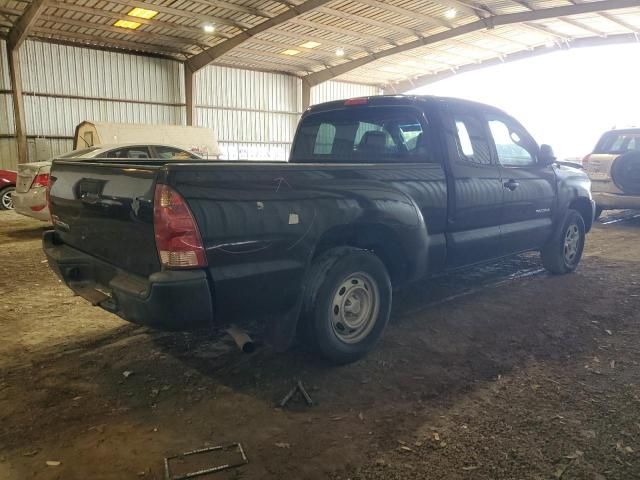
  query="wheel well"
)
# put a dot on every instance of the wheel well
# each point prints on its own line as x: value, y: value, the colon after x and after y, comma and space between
x: 583, y: 207
x: 378, y: 239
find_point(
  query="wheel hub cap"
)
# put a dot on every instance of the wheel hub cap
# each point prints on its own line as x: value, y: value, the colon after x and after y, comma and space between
x: 571, y: 243
x: 354, y: 308
x: 7, y: 201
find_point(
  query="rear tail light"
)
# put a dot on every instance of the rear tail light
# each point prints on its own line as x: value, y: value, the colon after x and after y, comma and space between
x: 41, y: 180
x: 177, y: 237
x: 50, y: 183
x: 585, y: 161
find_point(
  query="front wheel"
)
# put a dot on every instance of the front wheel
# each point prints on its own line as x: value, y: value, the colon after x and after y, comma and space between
x: 6, y: 200
x: 347, y: 303
x: 563, y: 252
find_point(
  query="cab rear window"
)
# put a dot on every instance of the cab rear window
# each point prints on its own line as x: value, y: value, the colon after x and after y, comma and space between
x: 362, y: 135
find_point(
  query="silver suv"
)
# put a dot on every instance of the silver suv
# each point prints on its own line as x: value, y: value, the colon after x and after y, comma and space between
x: 614, y: 169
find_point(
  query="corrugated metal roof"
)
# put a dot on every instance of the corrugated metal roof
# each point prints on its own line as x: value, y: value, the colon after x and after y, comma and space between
x: 361, y: 28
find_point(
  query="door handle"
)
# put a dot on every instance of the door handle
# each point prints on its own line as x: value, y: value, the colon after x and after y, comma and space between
x: 511, y: 184
x: 90, y: 198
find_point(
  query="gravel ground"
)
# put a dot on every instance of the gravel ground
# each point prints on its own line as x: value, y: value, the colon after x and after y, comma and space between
x: 502, y: 372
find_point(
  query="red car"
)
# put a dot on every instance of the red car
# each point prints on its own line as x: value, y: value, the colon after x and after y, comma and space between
x: 7, y: 187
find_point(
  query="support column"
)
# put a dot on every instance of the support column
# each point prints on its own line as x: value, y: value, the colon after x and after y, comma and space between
x: 188, y: 93
x: 15, y: 77
x: 17, y: 35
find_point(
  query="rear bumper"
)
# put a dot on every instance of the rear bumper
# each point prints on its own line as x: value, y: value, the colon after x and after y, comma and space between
x: 32, y: 204
x: 608, y: 200
x: 168, y: 300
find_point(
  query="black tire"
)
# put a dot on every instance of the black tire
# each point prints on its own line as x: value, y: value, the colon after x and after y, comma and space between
x: 336, y: 278
x: 5, y: 198
x: 599, y: 211
x: 556, y: 256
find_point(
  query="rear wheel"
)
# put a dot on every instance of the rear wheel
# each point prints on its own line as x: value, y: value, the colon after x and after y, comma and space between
x: 347, y: 303
x: 6, y: 202
x: 563, y: 252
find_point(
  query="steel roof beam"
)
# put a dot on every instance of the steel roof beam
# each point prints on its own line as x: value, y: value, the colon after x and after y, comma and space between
x: 582, y: 26
x: 25, y: 23
x: 620, y: 22
x: 85, y: 40
x: 201, y: 17
x: 568, y: 21
x: 478, y: 25
x: 547, y: 31
x: 156, y: 23
x: 435, y: 21
x: 210, y: 55
x: 422, y: 81
x: 346, y: 32
x: 140, y: 35
x: 355, y: 18
x: 256, y: 12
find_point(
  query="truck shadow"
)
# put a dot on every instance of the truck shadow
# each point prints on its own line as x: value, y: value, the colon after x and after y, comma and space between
x: 445, y: 336
x: 27, y: 233
x: 439, y: 347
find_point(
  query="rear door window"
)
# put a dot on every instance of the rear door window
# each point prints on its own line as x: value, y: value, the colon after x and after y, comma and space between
x: 172, y: 153
x: 362, y: 135
x: 473, y: 145
x: 618, y: 142
x: 137, y: 152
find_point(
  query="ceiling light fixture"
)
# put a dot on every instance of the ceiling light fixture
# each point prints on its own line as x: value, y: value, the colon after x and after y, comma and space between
x: 451, y: 13
x: 142, y: 13
x: 340, y: 52
x: 126, y: 24
x: 208, y: 28
x: 310, y: 44
x: 290, y: 52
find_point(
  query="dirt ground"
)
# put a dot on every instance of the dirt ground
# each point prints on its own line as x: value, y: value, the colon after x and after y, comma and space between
x: 502, y: 372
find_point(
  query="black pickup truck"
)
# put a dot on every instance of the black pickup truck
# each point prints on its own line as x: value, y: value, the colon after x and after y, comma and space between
x: 378, y: 192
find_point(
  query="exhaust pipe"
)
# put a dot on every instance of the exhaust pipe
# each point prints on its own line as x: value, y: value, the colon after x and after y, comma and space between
x: 242, y: 339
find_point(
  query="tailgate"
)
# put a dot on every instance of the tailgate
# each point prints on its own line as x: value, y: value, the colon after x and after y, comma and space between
x: 106, y: 211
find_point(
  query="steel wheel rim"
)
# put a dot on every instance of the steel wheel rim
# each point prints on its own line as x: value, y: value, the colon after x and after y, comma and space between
x: 7, y: 201
x: 354, y: 308
x: 571, y: 243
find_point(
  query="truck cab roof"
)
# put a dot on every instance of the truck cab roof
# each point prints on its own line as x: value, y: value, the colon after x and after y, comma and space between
x: 394, y: 100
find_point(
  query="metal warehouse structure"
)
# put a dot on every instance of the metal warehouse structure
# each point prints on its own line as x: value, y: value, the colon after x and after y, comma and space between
x: 248, y: 68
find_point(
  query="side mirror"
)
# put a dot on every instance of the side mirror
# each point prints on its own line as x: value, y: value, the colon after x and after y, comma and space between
x: 546, y: 155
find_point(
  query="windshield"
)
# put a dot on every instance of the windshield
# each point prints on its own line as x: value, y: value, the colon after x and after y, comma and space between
x: 618, y: 142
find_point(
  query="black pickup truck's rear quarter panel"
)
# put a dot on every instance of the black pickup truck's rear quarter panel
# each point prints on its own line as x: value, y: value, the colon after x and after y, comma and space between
x: 260, y: 226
